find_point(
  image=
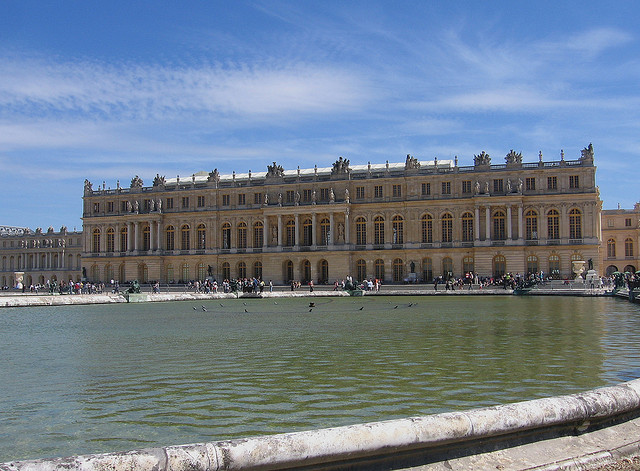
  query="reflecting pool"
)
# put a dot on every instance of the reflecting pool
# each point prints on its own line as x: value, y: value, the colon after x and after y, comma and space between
x: 85, y: 379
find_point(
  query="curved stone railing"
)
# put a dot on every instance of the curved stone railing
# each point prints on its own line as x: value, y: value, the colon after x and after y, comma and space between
x: 364, y: 445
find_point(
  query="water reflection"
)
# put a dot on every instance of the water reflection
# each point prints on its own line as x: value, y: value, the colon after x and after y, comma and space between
x: 103, y: 378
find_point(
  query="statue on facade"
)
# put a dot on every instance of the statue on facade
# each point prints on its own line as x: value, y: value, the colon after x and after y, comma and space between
x: 519, y: 185
x: 508, y: 185
x: 486, y: 188
x: 314, y: 197
x: 136, y: 207
x: 128, y: 206
x: 266, y: 199
x: 340, y: 233
x: 279, y: 199
x: 158, y: 180
x: 346, y: 195
x: 477, y: 187
x: 159, y: 205
x: 482, y: 159
x: 275, y: 171
x: 411, y: 163
x: 274, y: 235
x: 340, y: 167
x: 88, y: 187
x: 152, y: 205
x: 513, y: 158
x: 136, y: 182
x: 214, y: 177
x: 332, y: 196
x: 297, y: 198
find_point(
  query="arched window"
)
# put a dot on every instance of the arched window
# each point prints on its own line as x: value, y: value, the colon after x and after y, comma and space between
x: 468, y: 265
x: 122, y: 273
x: 447, y: 267
x: 611, y: 248
x: 532, y: 264
x: 499, y: 265
x: 427, y: 229
x: 226, y: 236
x: 467, y: 227
x: 184, y: 237
x: 306, y: 271
x: 111, y: 240
x: 361, y: 231
x: 95, y: 274
x: 307, y: 234
x: 143, y: 273
x: 324, y: 271
x: 575, y: 224
x: 201, y: 234
x: 427, y: 269
x: 95, y: 243
x: 553, y: 224
x: 258, y: 235
x: 378, y: 230
x: 398, y: 270
x: 169, y: 274
x: 170, y: 236
x: 361, y: 270
x: 324, y: 231
x: 531, y: 225
x: 554, y: 266
x: 397, y: 225
x: 447, y: 227
x: 124, y: 239
x: 185, y: 272
x: 499, y: 226
x: 290, y: 233
x: 288, y: 271
x: 242, y: 236
x: 257, y: 270
x: 242, y: 270
x: 202, y: 271
x: 378, y: 267
x: 146, y: 238
x: 226, y: 271
x: 628, y: 247
x: 108, y: 273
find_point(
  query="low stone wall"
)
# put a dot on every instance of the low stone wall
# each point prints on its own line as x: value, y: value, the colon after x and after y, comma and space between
x: 414, y: 441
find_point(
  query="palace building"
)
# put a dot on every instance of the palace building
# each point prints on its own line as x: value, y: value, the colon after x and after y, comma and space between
x: 37, y: 257
x: 432, y: 218
x: 620, y: 239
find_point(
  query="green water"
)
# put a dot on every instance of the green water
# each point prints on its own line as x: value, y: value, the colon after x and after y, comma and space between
x: 87, y: 379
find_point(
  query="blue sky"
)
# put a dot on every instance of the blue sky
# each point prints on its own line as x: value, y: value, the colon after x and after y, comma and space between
x: 112, y: 89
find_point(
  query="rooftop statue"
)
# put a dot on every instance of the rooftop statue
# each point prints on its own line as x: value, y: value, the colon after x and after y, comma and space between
x: 411, y: 163
x: 275, y: 170
x: 587, y: 153
x: 513, y: 158
x: 482, y: 159
x: 158, y: 180
x: 340, y: 167
x: 214, y: 176
x: 136, y: 182
x: 88, y: 187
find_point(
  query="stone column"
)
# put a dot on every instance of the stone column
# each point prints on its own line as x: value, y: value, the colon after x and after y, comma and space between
x: 331, y: 238
x: 564, y: 222
x: 476, y: 223
x: 265, y: 232
x: 520, y: 223
x: 297, y: 229
x: 313, y: 230
x: 136, y: 235
x: 509, y: 231
x: 159, y: 235
x: 487, y: 219
x: 279, y: 230
x: 130, y: 238
x: 347, y: 227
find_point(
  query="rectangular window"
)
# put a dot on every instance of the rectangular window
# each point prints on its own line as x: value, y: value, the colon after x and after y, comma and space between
x: 574, y: 181
x: 201, y: 201
x: 627, y: 222
x: 498, y: 185
x: 226, y: 200
x: 169, y: 203
x: 359, y: 192
x: 426, y: 189
x: 446, y: 188
x: 324, y: 194
x: 530, y: 183
x: 257, y: 198
x: 552, y: 183
x: 96, y: 207
x: 610, y: 223
x: 290, y: 196
x: 306, y: 195
x: 146, y: 204
x: 242, y: 199
x: 397, y: 191
x: 185, y: 202
x: 377, y: 191
x: 466, y: 186
x: 123, y: 206
x: 110, y: 206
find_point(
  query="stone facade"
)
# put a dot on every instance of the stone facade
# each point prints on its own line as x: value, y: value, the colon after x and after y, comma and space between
x: 37, y: 257
x: 620, y: 239
x: 376, y: 220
